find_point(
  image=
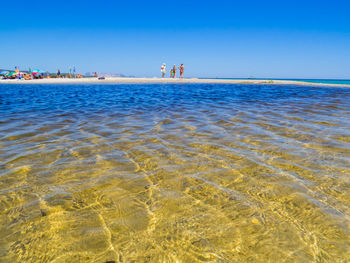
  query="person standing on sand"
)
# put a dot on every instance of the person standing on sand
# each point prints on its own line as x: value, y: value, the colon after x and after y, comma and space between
x: 18, y: 76
x: 174, y: 72
x: 58, y: 73
x: 181, y: 68
x: 163, y: 70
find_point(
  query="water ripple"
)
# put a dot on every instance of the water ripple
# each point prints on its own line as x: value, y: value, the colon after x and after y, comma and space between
x: 174, y: 173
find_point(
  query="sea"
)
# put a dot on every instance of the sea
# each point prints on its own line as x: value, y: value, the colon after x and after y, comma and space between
x: 174, y: 173
x: 326, y: 81
x: 315, y: 81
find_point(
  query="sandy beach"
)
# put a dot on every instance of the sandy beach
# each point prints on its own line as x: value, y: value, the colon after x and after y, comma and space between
x: 165, y: 80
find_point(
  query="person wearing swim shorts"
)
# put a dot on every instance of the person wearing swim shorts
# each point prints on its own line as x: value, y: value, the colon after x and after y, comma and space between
x: 163, y: 70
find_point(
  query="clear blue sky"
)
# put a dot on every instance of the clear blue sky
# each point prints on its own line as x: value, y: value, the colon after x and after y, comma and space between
x: 281, y: 39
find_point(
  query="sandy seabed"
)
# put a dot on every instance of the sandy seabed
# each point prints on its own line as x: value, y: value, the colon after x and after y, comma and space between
x: 225, y: 173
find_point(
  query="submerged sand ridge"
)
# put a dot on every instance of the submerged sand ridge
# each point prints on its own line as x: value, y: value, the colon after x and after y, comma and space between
x: 117, y: 80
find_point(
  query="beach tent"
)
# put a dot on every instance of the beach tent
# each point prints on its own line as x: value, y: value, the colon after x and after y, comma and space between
x: 10, y: 74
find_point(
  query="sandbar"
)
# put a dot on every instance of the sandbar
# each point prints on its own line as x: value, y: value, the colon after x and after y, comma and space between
x: 119, y: 80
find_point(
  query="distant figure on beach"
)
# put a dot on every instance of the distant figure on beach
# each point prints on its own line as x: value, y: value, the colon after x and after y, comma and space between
x: 181, y: 68
x: 171, y: 73
x: 95, y: 75
x: 163, y: 70
x: 174, y: 71
x: 18, y: 75
x: 58, y: 73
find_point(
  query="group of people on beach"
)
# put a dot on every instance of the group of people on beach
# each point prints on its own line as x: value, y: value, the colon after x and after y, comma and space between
x: 37, y: 74
x: 172, y: 71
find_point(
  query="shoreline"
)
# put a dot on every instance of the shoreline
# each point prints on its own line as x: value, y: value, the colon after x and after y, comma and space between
x: 119, y: 80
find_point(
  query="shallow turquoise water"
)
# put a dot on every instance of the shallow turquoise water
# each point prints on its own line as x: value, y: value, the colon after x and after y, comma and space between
x: 174, y: 173
x: 325, y: 81
x: 316, y: 81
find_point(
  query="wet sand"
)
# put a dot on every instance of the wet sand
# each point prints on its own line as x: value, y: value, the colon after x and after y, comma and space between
x: 166, y: 80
